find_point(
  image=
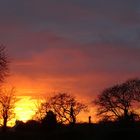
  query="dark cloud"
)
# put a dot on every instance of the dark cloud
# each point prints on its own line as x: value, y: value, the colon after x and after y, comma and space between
x: 85, y: 20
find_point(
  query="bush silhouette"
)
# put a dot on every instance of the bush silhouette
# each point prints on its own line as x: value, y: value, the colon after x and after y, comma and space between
x: 49, y: 122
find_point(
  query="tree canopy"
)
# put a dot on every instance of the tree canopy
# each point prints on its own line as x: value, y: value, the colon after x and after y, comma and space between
x: 65, y: 106
x: 119, y: 100
x: 7, y: 105
x: 4, y: 62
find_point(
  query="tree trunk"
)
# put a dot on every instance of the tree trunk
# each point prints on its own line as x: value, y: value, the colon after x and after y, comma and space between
x: 72, y: 116
x: 4, y: 124
x: 126, y: 115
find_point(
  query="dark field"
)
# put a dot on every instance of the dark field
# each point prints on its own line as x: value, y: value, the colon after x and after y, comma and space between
x: 78, y: 132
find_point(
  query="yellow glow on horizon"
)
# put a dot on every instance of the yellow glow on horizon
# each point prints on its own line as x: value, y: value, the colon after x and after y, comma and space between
x: 27, y: 105
x: 25, y: 108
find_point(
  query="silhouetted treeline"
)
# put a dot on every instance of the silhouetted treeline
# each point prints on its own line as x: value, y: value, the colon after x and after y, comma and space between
x: 105, y: 130
x: 117, y: 108
x: 56, y: 118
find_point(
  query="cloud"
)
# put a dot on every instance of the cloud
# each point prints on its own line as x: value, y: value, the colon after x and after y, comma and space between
x: 65, y: 65
x: 84, y: 21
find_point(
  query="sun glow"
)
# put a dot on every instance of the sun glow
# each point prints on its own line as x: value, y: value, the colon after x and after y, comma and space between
x: 25, y: 108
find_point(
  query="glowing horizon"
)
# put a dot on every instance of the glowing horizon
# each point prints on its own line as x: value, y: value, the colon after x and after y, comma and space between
x: 26, y: 107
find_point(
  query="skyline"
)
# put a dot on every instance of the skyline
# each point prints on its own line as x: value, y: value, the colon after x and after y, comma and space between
x: 79, y: 47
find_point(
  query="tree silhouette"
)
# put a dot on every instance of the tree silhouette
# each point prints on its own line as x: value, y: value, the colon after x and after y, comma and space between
x: 49, y: 121
x: 7, y: 104
x: 65, y: 106
x: 119, y: 101
x: 40, y: 110
x: 4, y: 70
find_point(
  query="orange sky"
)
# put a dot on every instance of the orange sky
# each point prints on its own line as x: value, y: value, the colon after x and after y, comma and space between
x: 29, y: 92
x: 73, y: 71
x: 26, y: 107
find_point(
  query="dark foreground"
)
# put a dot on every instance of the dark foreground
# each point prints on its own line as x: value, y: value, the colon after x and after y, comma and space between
x: 78, y: 132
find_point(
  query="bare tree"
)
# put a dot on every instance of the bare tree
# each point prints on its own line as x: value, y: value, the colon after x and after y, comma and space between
x: 7, y: 105
x: 119, y: 101
x: 65, y: 106
x: 4, y: 62
x: 40, y: 110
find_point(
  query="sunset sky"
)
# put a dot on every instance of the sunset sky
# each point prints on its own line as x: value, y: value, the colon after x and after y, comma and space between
x: 74, y: 46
